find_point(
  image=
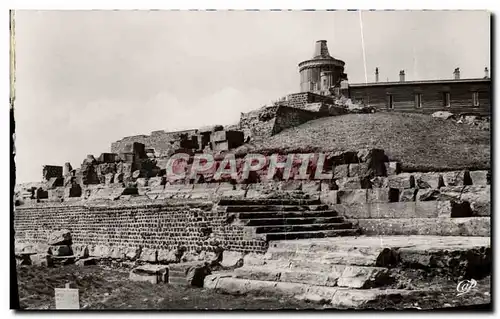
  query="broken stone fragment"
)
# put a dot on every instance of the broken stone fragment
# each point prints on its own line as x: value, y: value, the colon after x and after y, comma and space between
x: 154, y: 274
x: 60, y: 237
x: 109, y: 178
x: 90, y: 160
x: 136, y: 174
x: 455, y: 178
x: 341, y: 171
x: 54, y: 182
x: 67, y: 169
x: 427, y: 194
x: 60, y: 250
x: 401, y: 181
x: 428, y: 180
x: 408, y: 195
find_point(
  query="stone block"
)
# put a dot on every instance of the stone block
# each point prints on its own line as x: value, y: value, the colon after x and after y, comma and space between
x: 359, y: 170
x: 60, y: 237
x: 428, y: 180
x: 60, y: 250
x: 471, y: 226
x: 41, y: 194
x: 67, y: 168
x: 291, y: 185
x: 401, y: 181
x: 220, y: 146
x: 479, y: 177
x: 354, y: 211
x: 157, y: 181
x: 141, y: 182
x: 54, y: 182
x: 341, y: 171
x: 450, y: 193
x: 349, y: 183
x: 382, y: 195
x: 167, y: 256
x: 102, y: 251
x: 148, y: 255
x: 392, y: 168
x: 219, y: 136
x: 427, y: 194
x: 374, y: 160
x: 408, y: 195
x: 379, y: 182
x: 88, y: 261
x: 135, y: 148
x: 107, y: 158
x: 56, y: 194
x: 329, y: 197
x: 479, y: 198
x: 50, y: 171
x: 80, y: 251
x: 342, y: 157
x: 106, y: 168
x: 392, y: 210
x: 132, y: 253
x: 232, y: 259
x: 128, y: 158
x: 352, y: 196
x: 455, y: 178
x: 109, y: 178
x: 311, y: 186
x: 154, y: 274
x: 117, y: 252
x: 90, y: 160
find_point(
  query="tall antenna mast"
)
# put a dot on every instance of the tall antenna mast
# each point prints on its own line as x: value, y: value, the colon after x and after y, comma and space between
x: 363, y: 44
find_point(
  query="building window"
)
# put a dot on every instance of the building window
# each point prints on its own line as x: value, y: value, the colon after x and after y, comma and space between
x: 418, y: 100
x: 390, y: 101
x: 475, y: 99
x: 446, y: 99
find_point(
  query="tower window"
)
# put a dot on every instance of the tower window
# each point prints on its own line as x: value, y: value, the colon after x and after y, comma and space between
x: 475, y: 99
x: 418, y: 100
x: 446, y: 99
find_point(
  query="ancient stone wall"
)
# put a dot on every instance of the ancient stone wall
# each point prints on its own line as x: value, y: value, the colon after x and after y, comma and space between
x: 287, y: 117
x: 299, y: 100
x: 271, y: 120
x: 198, y: 226
x: 164, y: 143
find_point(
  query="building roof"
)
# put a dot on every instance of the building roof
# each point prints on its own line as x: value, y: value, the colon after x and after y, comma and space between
x: 443, y: 81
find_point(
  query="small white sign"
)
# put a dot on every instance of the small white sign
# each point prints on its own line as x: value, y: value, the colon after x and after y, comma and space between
x: 67, y: 298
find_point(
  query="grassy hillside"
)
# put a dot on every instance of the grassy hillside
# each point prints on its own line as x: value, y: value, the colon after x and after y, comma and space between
x: 418, y: 141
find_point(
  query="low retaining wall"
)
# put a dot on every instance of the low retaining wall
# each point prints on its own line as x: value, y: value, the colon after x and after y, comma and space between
x: 197, y: 226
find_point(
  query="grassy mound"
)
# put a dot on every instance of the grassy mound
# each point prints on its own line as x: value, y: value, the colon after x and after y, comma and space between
x: 418, y: 141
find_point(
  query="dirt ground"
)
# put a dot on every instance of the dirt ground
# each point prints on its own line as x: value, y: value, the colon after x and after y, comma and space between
x: 105, y: 287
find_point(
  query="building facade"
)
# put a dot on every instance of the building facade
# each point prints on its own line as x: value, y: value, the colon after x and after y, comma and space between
x: 325, y: 75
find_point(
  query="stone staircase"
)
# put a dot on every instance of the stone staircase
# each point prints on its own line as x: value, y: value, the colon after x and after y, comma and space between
x: 348, y: 272
x: 290, y: 218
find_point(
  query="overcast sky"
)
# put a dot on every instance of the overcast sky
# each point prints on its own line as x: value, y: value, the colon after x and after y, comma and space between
x: 88, y: 78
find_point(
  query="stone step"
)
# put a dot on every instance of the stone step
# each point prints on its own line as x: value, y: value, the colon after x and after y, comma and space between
x: 335, y: 275
x: 268, y: 201
x: 264, y: 208
x: 287, y: 214
x: 311, y: 234
x: 293, y: 220
x: 335, y: 296
x: 466, y: 226
x: 320, y: 260
x: 301, y: 228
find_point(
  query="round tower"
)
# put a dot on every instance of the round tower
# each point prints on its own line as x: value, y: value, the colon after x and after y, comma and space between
x: 320, y: 71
